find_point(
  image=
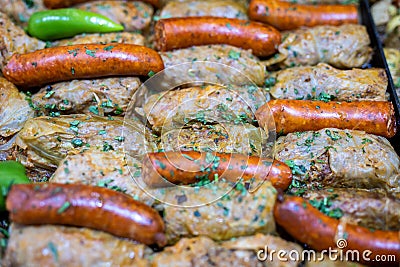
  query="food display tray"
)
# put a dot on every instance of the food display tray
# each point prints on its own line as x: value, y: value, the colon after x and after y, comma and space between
x: 379, y: 61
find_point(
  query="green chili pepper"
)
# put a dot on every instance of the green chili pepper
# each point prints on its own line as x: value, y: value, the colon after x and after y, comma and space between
x: 11, y: 172
x: 55, y: 24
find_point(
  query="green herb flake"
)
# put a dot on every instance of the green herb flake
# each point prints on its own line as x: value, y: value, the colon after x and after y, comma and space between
x: 151, y: 73
x: 324, y: 97
x: 119, y: 138
x: 77, y: 142
x: 102, y: 132
x: 29, y: 3
x: 366, y: 141
x: 107, y: 147
x: 91, y: 53
x: 345, y: 235
x: 49, y: 94
x: 333, y: 135
x: 188, y: 157
x: 94, y: 110
x: 64, y: 207
x: 53, y: 250
x: 196, y: 213
x: 296, y: 169
x: 108, y: 48
x: 234, y: 55
x: 74, y: 52
x: 160, y: 164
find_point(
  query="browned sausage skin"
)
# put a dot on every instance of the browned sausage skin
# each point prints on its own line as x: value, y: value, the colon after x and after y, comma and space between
x: 67, y: 3
x: 375, y: 117
x: 63, y: 63
x: 87, y: 206
x: 175, y: 33
x: 310, y: 226
x: 188, y: 167
x: 288, y: 16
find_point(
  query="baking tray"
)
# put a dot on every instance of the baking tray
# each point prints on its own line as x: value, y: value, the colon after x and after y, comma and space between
x: 379, y: 61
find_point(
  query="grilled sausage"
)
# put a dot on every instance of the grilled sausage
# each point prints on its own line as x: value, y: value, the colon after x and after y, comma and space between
x: 177, y: 33
x: 66, y: 3
x: 188, y: 167
x: 80, y: 61
x: 87, y: 206
x: 289, y: 16
x: 310, y: 226
x: 375, y: 117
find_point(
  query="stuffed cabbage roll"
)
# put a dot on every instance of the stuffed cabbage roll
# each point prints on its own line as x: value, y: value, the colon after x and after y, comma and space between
x: 372, y: 209
x: 21, y: 10
x: 241, y: 60
x: 50, y: 245
x: 103, y: 168
x: 13, y: 39
x: 393, y: 60
x: 96, y: 96
x: 211, y: 103
x: 238, y: 213
x: 195, y: 8
x: 103, y: 38
x: 345, y: 46
x: 341, y: 158
x: 324, y: 82
x: 46, y: 141
x: 132, y: 15
x: 228, y: 138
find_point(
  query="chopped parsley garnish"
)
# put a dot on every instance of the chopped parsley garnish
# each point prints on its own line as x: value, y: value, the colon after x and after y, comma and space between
x: 234, y: 55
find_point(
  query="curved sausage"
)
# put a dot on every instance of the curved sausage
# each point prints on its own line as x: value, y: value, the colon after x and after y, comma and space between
x: 310, y: 226
x: 67, y: 3
x: 176, y: 33
x: 63, y: 63
x: 188, y: 167
x: 87, y: 206
x: 375, y: 117
x: 289, y: 16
